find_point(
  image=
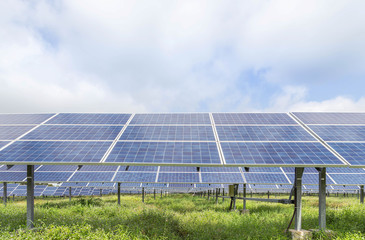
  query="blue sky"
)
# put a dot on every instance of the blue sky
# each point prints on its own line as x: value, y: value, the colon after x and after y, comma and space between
x: 182, y: 56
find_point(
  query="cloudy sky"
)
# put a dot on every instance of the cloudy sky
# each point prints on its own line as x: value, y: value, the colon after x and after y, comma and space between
x: 182, y: 56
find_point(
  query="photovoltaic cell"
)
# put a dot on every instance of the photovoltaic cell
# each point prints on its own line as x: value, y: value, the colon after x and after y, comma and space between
x: 340, y: 133
x: 354, y: 153
x: 12, y: 176
x: 178, y: 178
x: 330, y: 118
x: 263, y: 133
x: 220, y: 169
x: 346, y: 179
x: 24, y: 118
x: 135, y: 177
x: 55, y: 168
x: 140, y: 169
x: 92, y: 177
x: 100, y: 184
x: 16, y: 168
x: 178, y: 169
x: 96, y: 168
x: 90, y: 118
x: 51, y: 176
x: 252, y: 118
x: 264, y: 169
x: 309, y: 178
x: 165, y: 152
x: 172, y: 133
x: 222, y: 178
x: 13, y: 132
x: 172, y: 118
x: 74, y: 184
x: 278, y: 153
x: 266, y: 178
x: 55, y: 152
x: 3, y: 143
x: 345, y: 170
x: 73, y: 132
x: 306, y: 170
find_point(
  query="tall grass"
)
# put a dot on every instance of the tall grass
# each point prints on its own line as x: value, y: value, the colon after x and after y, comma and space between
x: 179, y: 216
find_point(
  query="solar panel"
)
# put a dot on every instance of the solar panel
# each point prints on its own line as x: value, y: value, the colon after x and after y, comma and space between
x: 100, y: 184
x: 278, y: 153
x: 222, y: 178
x: 12, y: 176
x: 24, y: 118
x: 220, y: 169
x: 178, y: 177
x: 13, y: 132
x: 309, y: 178
x: 262, y: 186
x: 96, y: 168
x: 171, y: 133
x: 345, y: 170
x: 306, y: 170
x: 154, y: 185
x: 141, y: 169
x: 263, y: 133
x: 180, y: 185
x: 73, y: 132
x: 3, y: 143
x: 178, y: 169
x: 74, y: 184
x: 267, y: 178
x: 354, y: 153
x: 54, y: 168
x: 51, y: 176
x: 165, y: 152
x: 340, y: 133
x: 92, y: 177
x: 330, y: 118
x: 15, y: 168
x: 135, y: 177
x: 172, y: 118
x: 252, y: 118
x: 347, y: 179
x: 90, y: 118
x: 55, y: 152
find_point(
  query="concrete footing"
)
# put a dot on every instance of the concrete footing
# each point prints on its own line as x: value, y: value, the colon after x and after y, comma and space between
x: 300, y: 235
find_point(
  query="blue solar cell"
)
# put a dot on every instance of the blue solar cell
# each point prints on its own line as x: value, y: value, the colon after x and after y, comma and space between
x: 172, y: 133
x: 222, y: 178
x: 354, y: 153
x: 264, y: 169
x: 92, y: 177
x: 24, y: 118
x: 154, y: 185
x: 3, y: 143
x: 165, y: 152
x: 178, y: 169
x: 306, y: 170
x: 340, y: 132
x: 141, y: 169
x: 210, y: 186
x: 12, y: 176
x: 346, y: 179
x: 51, y: 176
x: 345, y: 170
x: 172, y: 118
x: 180, y: 185
x: 263, y: 133
x: 262, y: 186
x: 135, y: 177
x: 122, y: 185
x: 73, y: 132
x: 56, y: 168
x: 16, y: 168
x: 266, y: 178
x: 252, y: 118
x: 278, y: 153
x: 342, y: 187
x: 330, y: 118
x: 309, y: 178
x: 178, y: 177
x: 74, y: 184
x: 220, y: 169
x: 96, y: 168
x: 13, y: 132
x: 54, y: 152
x: 90, y: 118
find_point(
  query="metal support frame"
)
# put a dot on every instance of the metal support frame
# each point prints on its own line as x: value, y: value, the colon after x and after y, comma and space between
x: 154, y: 194
x: 143, y: 194
x: 5, y: 193
x: 322, y: 198
x: 30, y: 196
x: 118, y: 193
x: 362, y: 194
x: 101, y: 192
x: 244, y: 196
x: 69, y: 193
x: 223, y: 195
x: 208, y: 194
x: 216, y: 196
x: 298, y: 198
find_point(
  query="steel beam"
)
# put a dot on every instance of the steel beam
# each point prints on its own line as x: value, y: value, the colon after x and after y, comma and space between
x: 154, y: 194
x: 5, y: 193
x: 30, y: 196
x: 143, y: 194
x: 69, y: 193
x: 244, y: 196
x: 322, y: 198
x: 298, y: 198
x: 362, y: 194
x: 118, y: 193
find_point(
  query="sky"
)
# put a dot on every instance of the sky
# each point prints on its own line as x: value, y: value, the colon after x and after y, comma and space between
x: 182, y: 56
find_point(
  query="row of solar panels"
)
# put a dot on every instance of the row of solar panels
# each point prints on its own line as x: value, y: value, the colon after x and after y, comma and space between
x: 170, y: 174
x: 230, y: 139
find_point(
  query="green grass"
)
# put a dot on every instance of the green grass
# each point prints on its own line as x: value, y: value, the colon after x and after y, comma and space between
x: 179, y: 216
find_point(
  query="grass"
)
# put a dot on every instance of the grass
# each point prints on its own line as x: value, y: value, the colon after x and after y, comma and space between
x: 179, y: 216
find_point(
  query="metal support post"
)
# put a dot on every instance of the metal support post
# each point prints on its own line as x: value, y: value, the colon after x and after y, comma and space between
x: 244, y: 196
x: 30, y: 196
x: 362, y: 194
x: 268, y: 194
x: 143, y: 194
x: 101, y: 192
x: 208, y: 194
x: 5, y: 193
x: 298, y: 198
x: 216, y: 196
x: 223, y: 195
x: 118, y: 193
x: 69, y: 193
x: 322, y: 198
x: 161, y: 193
x: 154, y: 194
